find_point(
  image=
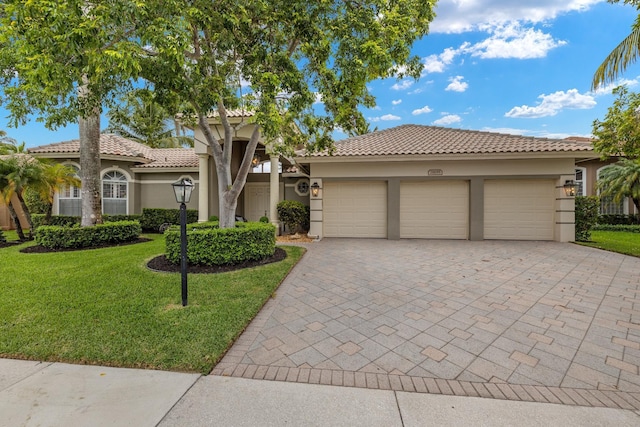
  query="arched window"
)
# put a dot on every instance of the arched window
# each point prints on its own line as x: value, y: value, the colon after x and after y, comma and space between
x: 69, y: 198
x: 265, y: 167
x: 114, y: 193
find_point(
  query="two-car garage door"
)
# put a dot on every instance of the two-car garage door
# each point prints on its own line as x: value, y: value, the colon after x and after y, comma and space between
x: 428, y: 209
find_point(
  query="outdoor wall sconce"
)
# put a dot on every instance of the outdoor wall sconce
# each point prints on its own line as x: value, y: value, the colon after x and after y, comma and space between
x: 570, y: 188
x: 255, y: 160
x: 315, y: 189
x: 182, y: 190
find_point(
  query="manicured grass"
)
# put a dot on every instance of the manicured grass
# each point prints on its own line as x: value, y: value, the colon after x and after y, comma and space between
x: 615, y: 241
x: 104, y: 307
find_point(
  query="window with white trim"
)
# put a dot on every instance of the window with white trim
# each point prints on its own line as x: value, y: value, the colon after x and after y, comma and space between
x: 114, y: 193
x: 69, y: 197
x: 265, y: 167
x: 581, y: 182
x: 607, y: 205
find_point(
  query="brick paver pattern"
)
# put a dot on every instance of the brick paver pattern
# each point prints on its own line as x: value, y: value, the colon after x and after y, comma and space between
x: 531, y: 321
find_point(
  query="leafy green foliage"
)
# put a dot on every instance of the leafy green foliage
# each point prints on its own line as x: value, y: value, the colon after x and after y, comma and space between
x: 292, y: 213
x: 615, y: 219
x: 210, y: 245
x: 586, y: 212
x: 3, y: 239
x: 630, y: 228
x: 56, y: 237
x: 621, y: 180
x: 152, y: 218
x: 618, y: 135
x: 104, y: 307
x: 141, y: 118
x: 70, y: 221
x: 35, y: 202
x: 264, y: 219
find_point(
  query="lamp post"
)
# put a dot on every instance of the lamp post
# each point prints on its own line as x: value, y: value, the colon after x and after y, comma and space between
x: 182, y: 190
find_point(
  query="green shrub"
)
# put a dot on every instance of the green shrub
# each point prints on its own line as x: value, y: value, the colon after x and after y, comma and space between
x: 119, y: 218
x: 35, y: 203
x: 612, y: 219
x: 2, y: 238
x: 153, y: 218
x: 56, y: 237
x: 264, y: 219
x: 58, y: 220
x: 617, y: 227
x: 586, y: 216
x: 292, y: 213
x: 209, y: 245
x: 213, y: 218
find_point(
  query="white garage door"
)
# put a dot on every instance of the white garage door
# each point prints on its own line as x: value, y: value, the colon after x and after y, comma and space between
x: 434, y: 210
x: 519, y: 209
x: 355, y: 209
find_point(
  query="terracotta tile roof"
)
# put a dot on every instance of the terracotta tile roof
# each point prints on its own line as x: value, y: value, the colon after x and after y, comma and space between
x: 430, y: 140
x: 579, y: 138
x: 116, y: 145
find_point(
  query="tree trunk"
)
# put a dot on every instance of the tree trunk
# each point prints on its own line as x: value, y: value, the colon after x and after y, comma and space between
x: 49, y: 212
x: 90, y: 170
x: 16, y: 221
x: 26, y: 212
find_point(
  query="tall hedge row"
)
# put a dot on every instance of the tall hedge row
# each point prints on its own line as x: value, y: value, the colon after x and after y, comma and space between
x: 57, y: 237
x: 586, y: 216
x: 153, y: 218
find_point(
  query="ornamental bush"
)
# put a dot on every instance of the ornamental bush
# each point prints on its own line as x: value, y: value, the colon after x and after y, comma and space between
x: 75, y: 237
x: 209, y: 245
x: 293, y: 214
x: 153, y: 218
x: 614, y: 219
x: 617, y: 227
x: 586, y: 216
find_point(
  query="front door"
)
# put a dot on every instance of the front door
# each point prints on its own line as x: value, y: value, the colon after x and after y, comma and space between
x: 256, y: 200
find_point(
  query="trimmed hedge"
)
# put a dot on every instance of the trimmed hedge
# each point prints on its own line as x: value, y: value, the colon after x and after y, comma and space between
x: 618, y: 227
x: 293, y: 214
x: 69, y: 221
x: 209, y: 245
x: 612, y: 219
x: 153, y: 218
x: 586, y: 216
x: 75, y: 237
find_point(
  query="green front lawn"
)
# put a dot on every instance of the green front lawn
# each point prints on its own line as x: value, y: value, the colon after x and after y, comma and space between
x: 615, y: 241
x: 104, y: 307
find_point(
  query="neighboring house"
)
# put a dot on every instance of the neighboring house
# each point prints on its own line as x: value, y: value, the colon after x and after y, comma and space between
x: 430, y: 182
x: 587, y: 172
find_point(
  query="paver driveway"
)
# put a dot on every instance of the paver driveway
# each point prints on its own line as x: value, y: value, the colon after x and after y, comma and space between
x: 540, y: 321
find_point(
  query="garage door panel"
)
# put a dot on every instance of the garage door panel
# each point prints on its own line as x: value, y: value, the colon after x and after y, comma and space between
x: 434, y: 209
x: 519, y: 209
x: 355, y: 209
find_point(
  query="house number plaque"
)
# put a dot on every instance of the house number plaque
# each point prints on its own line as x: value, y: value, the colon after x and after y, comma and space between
x: 434, y: 172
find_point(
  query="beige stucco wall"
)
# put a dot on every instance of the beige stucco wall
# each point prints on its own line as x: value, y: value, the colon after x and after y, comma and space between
x: 155, y: 190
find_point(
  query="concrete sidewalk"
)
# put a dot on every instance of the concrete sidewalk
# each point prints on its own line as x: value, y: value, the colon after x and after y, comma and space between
x: 56, y: 394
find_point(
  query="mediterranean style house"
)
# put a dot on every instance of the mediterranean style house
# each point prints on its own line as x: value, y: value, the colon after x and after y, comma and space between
x: 410, y: 181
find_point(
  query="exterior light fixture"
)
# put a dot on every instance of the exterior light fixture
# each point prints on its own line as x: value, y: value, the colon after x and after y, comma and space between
x: 255, y: 160
x: 570, y: 188
x: 182, y: 190
x: 315, y: 189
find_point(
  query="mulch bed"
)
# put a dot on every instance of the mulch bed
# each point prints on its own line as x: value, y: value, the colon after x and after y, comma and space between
x: 161, y: 263
x: 37, y: 249
x: 7, y: 244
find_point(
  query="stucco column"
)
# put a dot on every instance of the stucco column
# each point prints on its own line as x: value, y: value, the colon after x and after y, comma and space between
x: 274, y: 191
x: 203, y: 187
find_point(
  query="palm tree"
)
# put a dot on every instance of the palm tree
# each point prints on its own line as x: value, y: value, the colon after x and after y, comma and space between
x: 141, y: 118
x: 621, y: 56
x: 9, y: 145
x: 55, y: 177
x: 23, y: 171
x: 5, y: 170
x: 621, y: 180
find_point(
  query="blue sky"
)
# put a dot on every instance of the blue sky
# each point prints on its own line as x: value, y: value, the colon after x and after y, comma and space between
x: 495, y: 65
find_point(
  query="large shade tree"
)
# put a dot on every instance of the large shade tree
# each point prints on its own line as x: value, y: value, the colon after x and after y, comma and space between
x: 618, y: 134
x: 62, y: 61
x: 623, y: 55
x: 275, y: 59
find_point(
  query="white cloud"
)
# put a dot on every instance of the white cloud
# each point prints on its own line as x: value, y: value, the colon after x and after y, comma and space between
x: 318, y: 99
x: 385, y: 118
x: 449, y: 119
x: 423, y: 110
x: 396, y: 101
x: 553, y: 103
x: 402, y: 85
x: 457, y: 16
x: 513, y: 41
x: 438, y: 63
x: 606, y: 90
x: 457, y: 85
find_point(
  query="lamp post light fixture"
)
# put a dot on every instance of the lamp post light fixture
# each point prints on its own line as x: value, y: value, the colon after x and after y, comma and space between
x: 315, y: 189
x: 182, y: 190
x: 570, y: 187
